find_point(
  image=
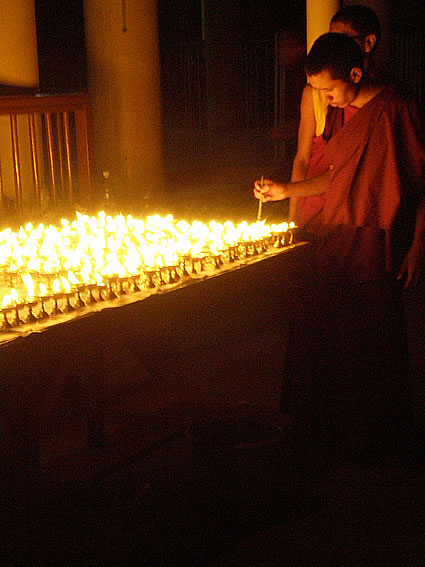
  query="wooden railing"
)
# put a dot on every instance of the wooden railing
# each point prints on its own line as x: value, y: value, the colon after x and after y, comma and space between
x: 46, y: 158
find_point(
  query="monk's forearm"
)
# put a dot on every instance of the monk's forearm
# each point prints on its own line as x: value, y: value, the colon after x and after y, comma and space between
x: 307, y: 187
x: 269, y: 190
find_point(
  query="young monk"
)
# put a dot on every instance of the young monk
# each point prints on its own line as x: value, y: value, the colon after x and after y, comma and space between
x: 346, y: 369
x: 362, y: 24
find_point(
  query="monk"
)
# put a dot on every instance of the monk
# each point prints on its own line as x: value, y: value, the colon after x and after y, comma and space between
x: 362, y: 24
x: 346, y: 380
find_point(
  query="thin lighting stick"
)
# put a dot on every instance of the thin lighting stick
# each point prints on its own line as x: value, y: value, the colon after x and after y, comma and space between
x: 260, y: 201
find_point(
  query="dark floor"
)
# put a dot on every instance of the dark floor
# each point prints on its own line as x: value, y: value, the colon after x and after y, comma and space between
x: 186, y: 501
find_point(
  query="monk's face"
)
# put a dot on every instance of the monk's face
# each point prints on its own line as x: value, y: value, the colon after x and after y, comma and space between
x: 336, y: 92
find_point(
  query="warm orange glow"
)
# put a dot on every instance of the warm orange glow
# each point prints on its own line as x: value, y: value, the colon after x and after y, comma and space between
x: 38, y: 261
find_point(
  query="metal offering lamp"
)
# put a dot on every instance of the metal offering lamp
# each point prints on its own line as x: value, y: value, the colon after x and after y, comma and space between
x: 6, y: 325
x: 42, y: 314
x: 68, y: 306
x: 31, y: 318
x: 93, y: 259
x: 56, y: 310
x: 111, y: 293
x: 17, y: 320
x: 80, y: 289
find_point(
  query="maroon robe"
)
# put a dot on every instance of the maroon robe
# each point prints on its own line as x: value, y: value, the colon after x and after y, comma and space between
x: 376, y: 186
x: 307, y: 215
x: 346, y: 367
x: 309, y: 207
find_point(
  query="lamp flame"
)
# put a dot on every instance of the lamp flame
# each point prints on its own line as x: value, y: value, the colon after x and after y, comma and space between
x: 90, y: 249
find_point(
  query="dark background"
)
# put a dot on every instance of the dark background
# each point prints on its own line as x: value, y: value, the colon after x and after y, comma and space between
x: 60, y: 32
x: 61, y: 46
x: 205, y: 133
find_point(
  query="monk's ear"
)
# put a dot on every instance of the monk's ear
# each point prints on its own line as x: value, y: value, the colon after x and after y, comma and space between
x: 369, y: 42
x: 356, y: 74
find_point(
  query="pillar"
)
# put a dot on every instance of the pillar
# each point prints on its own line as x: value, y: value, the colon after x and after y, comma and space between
x: 124, y: 88
x: 319, y: 14
x: 18, y: 71
x: 18, y: 44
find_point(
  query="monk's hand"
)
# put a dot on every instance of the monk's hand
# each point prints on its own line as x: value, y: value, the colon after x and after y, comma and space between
x: 413, y: 266
x: 269, y: 190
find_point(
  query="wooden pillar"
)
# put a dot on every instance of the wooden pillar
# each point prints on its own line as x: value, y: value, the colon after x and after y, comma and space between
x: 18, y: 71
x: 18, y: 44
x: 124, y: 89
x: 18, y: 68
x: 319, y: 14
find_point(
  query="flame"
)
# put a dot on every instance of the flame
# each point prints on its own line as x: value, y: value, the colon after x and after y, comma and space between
x: 89, y: 249
x: 29, y: 283
x: 65, y: 285
x: 43, y: 289
x: 10, y: 299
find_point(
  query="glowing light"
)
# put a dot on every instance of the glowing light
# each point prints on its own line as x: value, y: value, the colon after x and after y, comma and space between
x: 90, y: 249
